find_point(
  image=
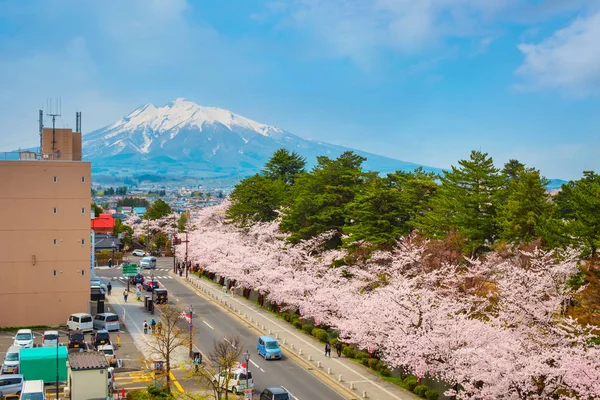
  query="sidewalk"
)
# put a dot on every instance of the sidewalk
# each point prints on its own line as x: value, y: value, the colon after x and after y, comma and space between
x: 354, y: 380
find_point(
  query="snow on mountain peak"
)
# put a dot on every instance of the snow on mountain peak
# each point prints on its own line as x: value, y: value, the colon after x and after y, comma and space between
x: 184, y: 113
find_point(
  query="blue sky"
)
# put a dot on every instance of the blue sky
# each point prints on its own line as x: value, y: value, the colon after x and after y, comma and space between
x: 425, y: 81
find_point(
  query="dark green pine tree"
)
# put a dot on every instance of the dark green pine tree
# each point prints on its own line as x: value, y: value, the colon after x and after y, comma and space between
x: 465, y: 202
x: 319, y: 198
x: 158, y: 210
x: 524, y: 206
x: 285, y: 166
x: 256, y: 199
x: 579, y: 204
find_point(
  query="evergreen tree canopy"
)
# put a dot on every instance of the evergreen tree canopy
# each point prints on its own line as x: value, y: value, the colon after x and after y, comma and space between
x: 256, y: 199
x: 465, y: 201
x: 158, y: 210
x: 284, y: 165
x: 319, y: 198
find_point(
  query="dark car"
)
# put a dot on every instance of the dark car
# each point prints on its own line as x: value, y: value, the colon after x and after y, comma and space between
x: 150, y: 285
x: 160, y: 296
x: 100, y: 338
x: 275, y: 394
x: 134, y: 280
x: 76, y: 340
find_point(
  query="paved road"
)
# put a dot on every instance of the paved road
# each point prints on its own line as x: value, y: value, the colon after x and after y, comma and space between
x: 215, y: 324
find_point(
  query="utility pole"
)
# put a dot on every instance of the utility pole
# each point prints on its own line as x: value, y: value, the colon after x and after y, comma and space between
x: 191, y: 327
x: 173, y: 240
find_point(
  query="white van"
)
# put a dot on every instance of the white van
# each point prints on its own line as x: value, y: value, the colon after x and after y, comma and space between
x: 80, y: 321
x: 148, y: 262
x: 33, y: 390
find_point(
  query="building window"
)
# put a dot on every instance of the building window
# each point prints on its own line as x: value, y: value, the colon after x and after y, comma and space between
x: 55, y: 211
x: 54, y: 272
x: 82, y: 241
x: 82, y: 272
x: 83, y: 210
x: 55, y: 179
x: 83, y: 179
x: 54, y: 242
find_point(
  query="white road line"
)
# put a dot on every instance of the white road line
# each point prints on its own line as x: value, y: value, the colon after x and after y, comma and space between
x: 257, y: 366
x: 289, y: 393
x: 227, y: 340
x: 207, y: 324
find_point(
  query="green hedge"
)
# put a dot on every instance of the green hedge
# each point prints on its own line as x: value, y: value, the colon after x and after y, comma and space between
x: 297, y: 323
x: 431, y: 394
x: 308, y: 328
x: 320, y: 334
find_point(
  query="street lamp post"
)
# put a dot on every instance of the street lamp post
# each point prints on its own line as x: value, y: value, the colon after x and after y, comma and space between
x: 191, y: 327
x: 247, y: 358
x: 57, y: 340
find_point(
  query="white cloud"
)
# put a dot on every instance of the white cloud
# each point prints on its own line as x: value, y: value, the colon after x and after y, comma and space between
x: 568, y: 60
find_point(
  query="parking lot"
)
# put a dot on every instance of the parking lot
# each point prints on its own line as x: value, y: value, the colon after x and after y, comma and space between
x: 128, y: 373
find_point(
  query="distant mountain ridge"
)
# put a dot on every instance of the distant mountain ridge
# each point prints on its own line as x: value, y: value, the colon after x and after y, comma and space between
x: 183, y: 139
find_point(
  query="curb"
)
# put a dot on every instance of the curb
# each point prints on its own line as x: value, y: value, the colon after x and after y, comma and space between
x: 322, y: 376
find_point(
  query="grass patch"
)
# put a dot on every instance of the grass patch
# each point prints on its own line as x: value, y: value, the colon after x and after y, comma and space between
x: 395, y: 381
x: 32, y: 327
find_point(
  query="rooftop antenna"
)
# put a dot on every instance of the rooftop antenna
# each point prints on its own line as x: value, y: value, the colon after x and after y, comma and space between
x: 41, y: 121
x: 54, y: 113
x: 78, y: 121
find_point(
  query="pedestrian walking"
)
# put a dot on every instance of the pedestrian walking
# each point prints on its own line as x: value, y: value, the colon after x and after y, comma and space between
x: 197, y: 361
x: 327, y: 350
x: 158, y: 327
x: 125, y: 294
x: 110, y: 263
x: 145, y: 327
x: 109, y: 288
x: 338, y: 348
x: 152, y: 325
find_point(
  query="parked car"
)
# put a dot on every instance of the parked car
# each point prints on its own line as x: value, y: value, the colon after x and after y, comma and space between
x: 100, y: 338
x: 160, y: 296
x: 11, y: 384
x: 50, y: 339
x: 268, y: 348
x: 33, y: 390
x: 139, y: 278
x: 110, y: 353
x: 11, y: 361
x: 148, y: 262
x: 108, y: 321
x: 150, y: 285
x: 236, y: 380
x: 23, y: 338
x: 138, y: 253
x: 80, y: 321
x: 112, y: 385
x: 275, y: 394
x: 77, y: 340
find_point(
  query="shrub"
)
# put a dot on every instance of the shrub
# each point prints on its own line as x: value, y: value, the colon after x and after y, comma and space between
x: 386, y: 372
x: 411, y: 383
x: 334, y: 342
x: 420, y: 390
x: 297, y: 323
x: 349, y: 351
x: 320, y: 334
x: 362, y: 354
x: 308, y: 328
x: 373, y: 363
x: 287, y: 316
x: 364, y: 361
x: 432, y: 395
x: 380, y: 366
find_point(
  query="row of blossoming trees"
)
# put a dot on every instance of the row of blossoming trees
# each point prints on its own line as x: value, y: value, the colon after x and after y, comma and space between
x: 495, y: 327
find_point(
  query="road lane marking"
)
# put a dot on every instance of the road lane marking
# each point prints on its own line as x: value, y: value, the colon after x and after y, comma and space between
x: 207, y: 324
x: 256, y: 365
x: 290, y: 393
x: 227, y: 340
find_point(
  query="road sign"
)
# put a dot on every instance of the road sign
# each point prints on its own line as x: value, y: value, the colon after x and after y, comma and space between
x: 248, y: 394
x: 130, y: 269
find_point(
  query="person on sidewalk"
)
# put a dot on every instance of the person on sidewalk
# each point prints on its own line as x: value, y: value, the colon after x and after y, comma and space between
x: 109, y: 288
x: 327, y: 350
x: 158, y: 327
x: 152, y: 325
x: 338, y: 348
x: 125, y: 294
x: 197, y: 361
x: 145, y: 327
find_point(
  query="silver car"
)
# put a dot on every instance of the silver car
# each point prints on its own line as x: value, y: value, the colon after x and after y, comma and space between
x: 50, y: 339
x: 24, y: 338
x: 11, y: 384
x: 148, y: 262
x: 108, y: 321
x: 11, y: 361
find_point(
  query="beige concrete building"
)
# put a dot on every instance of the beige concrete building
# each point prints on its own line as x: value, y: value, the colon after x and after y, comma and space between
x: 45, y: 234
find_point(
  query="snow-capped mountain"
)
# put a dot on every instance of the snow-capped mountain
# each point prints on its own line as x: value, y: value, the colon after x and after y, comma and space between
x: 183, y: 138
